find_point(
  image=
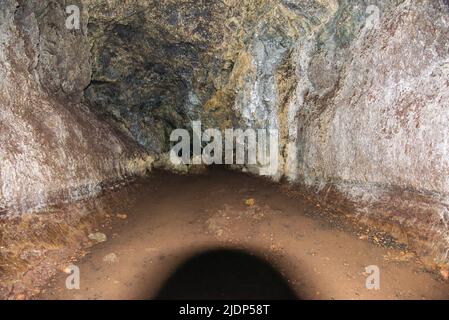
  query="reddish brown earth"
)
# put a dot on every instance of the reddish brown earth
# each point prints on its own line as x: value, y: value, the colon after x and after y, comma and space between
x: 322, y: 256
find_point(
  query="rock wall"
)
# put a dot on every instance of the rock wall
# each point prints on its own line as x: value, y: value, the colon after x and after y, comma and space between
x: 359, y: 92
x: 53, y: 149
x: 378, y: 130
x: 154, y: 63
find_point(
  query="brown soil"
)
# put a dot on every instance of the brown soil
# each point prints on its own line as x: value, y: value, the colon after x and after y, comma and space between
x: 173, y: 218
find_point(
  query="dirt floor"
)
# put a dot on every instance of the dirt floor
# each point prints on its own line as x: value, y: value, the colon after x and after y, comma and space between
x: 174, y: 218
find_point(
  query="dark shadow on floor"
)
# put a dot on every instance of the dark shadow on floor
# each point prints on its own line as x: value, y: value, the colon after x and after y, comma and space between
x: 226, y: 274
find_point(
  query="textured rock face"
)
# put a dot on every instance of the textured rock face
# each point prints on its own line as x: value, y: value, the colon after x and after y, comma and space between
x: 359, y: 92
x: 154, y: 63
x: 52, y: 149
x: 383, y: 121
x: 378, y: 132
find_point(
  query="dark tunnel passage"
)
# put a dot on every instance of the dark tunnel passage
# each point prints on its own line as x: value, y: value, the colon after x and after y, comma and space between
x: 226, y: 275
x: 312, y: 133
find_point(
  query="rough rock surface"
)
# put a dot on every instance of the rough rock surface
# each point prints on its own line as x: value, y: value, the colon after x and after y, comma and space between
x: 52, y: 149
x: 154, y: 63
x: 359, y: 92
x: 378, y: 130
